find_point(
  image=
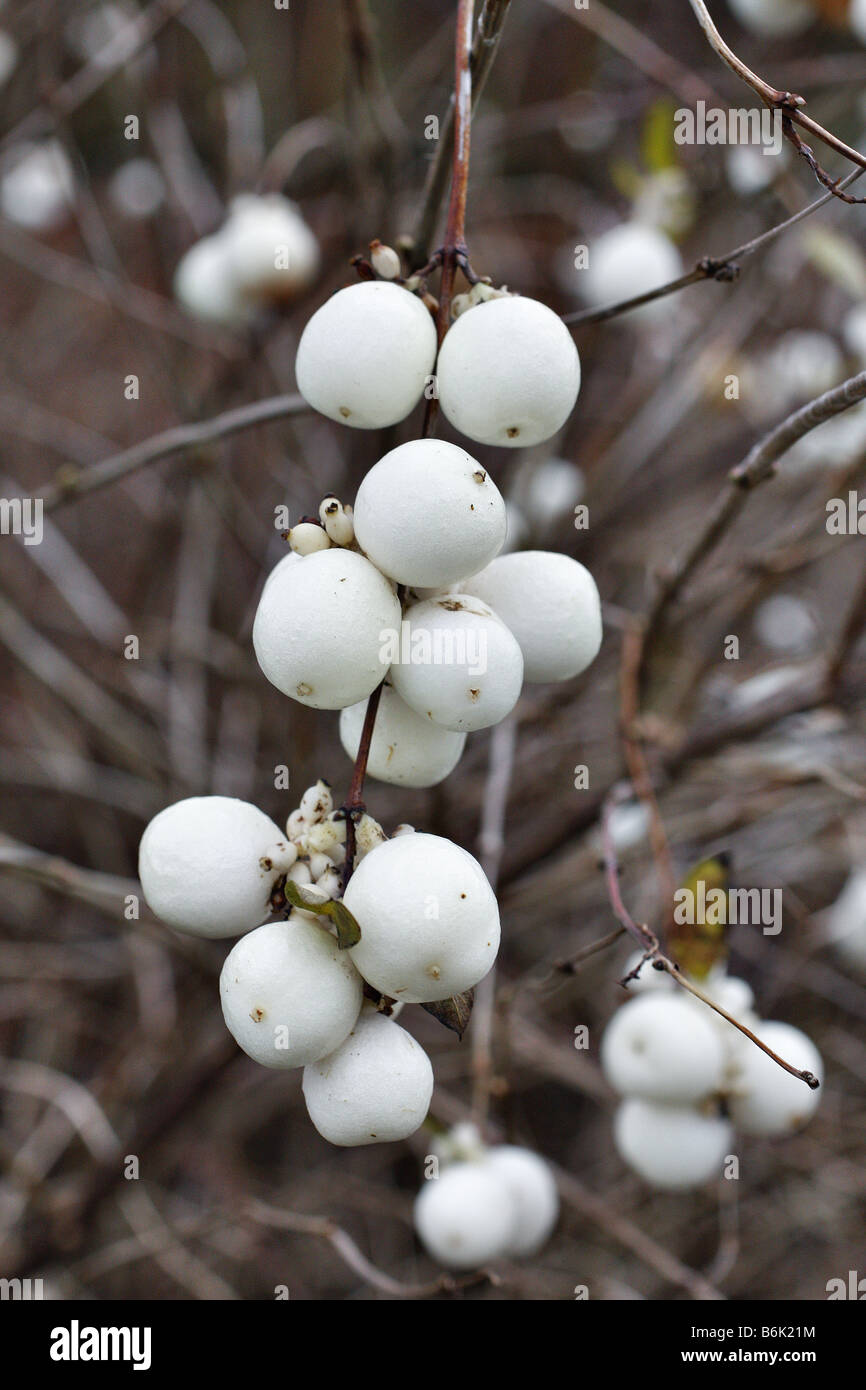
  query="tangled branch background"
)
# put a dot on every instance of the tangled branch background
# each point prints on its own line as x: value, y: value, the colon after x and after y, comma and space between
x: 707, y: 504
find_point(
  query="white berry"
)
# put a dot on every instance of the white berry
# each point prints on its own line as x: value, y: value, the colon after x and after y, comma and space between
x: 508, y: 373
x: 457, y: 664
x: 37, y: 186
x: 466, y: 1217
x: 203, y: 285
x: 659, y: 1047
x: 846, y: 921
x: 774, y: 19
x: 200, y: 865
x: 318, y: 628
x: 672, y: 1147
x: 374, y: 1088
x: 533, y: 1191
x: 271, y: 254
x: 289, y: 994
x: 627, y: 261
x: 765, y: 1098
x: 407, y: 749
x: 428, y: 917
x: 428, y: 514
x: 365, y: 356
x: 551, y: 604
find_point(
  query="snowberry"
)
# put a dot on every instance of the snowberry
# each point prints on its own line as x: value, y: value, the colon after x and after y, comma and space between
x: 289, y: 994
x: 407, y: 750
x: 648, y: 979
x: 375, y: 1087
x: 551, y: 604
x: 137, y: 189
x: 306, y: 538
x: 659, y: 1047
x: 857, y: 19
x: 457, y: 663
x: 204, y: 287
x: 854, y: 322
x: 270, y: 252
x: 764, y: 1098
x: 533, y: 1191
x: 318, y: 628
x: 37, y: 186
x: 365, y: 356
x: 428, y: 917
x: 805, y: 364
x: 508, y: 372
x: 785, y: 623
x: 627, y: 261
x: 846, y: 920
x: 774, y: 19
x: 672, y: 1147
x: 466, y: 1217
x: 551, y: 492
x: 427, y: 514
x: 200, y: 865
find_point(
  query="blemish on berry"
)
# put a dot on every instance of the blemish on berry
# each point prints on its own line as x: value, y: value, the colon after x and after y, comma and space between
x: 345, y: 412
x: 474, y: 695
x: 304, y: 689
x: 480, y: 476
x: 257, y: 1015
x: 512, y: 431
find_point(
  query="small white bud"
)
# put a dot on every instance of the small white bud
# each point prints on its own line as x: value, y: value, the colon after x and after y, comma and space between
x: 316, y: 803
x: 337, y: 521
x: 330, y: 882
x: 318, y: 864
x: 280, y: 856
x: 306, y: 538
x: 385, y: 260
x: 296, y: 826
x: 368, y: 836
x: 403, y: 830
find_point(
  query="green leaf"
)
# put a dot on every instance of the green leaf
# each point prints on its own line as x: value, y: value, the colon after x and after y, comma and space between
x: 658, y: 146
x: 453, y: 1013
x: 348, y: 931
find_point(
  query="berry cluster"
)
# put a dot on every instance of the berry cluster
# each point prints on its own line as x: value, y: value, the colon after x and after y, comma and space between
x: 485, y: 1203
x: 689, y: 1077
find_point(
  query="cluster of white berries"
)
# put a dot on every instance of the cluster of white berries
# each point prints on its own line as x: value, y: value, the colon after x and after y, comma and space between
x: 381, y: 592
x: 291, y: 995
x: 689, y: 1077
x: 484, y: 1204
x: 263, y: 254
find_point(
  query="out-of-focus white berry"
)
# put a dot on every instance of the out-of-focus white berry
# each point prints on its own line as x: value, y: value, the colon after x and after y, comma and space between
x: 551, y: 492
x: 672, y: 1147
x: 106, y: 35
x: 466, y: 1217
x: 508, y: 373
x: 461, y: 1143
x: 374, y: 1088
x: 289, y: 994
x: 517, y: 530
x: 427, y: 514
x: 648, y: 979
x: 806, y: 363
x: 137, y: 189
x: 199, y: 862
x: 533, y: 1192
x: 385, y: 260
x: 658, y: 1047
x: 271, y: 254
x: 551, y: 604
x: 428, y: 917
x: 203, y: 285
x: 366, y: 354
x: 857, y: 19
x: 458, y: 664
x: 407, y: 749
x: 338, y: 521
x: 846, y: 920
x: 318, y: 629
x: 854, y: 326
x: 774, y: 19
x: 766, y: 1099
x: 627, y: 261
x: 37, y: 186
x: 628, y: 825
x: 752, y: 168
x: 306, y: 538
x: 317, y: 803
x: 785, y: 624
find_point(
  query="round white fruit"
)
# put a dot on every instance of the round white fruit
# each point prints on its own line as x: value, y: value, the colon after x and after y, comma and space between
x: 774, y: 19
x: 458, y: 664
x: 270, y: 251
x: 37, y: 186
x: 428, y: 917
x: 203, y: 285
x: 672, y: 1147
x: 365, y: 356
x: 627, y: 261
x: 551, y: 604
x: 508, y: 373
x: 551, y: 492
x: 659, y: 1047
x: 846, y: 920
x: 289, y: 994
x: 199, y: 865
x: 466, y: 1217
x: 407, y: 749
x: 533, y: 1191
x: 648, y: 979
x: 375, y: 1088
x: 766, y: 1099
x: 428, y: 514
x: 320, y: 626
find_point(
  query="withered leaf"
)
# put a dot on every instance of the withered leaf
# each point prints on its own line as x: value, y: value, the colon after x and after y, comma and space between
x: 454, y: 1013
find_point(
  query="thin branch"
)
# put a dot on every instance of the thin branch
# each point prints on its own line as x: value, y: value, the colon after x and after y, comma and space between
x: 73, y: 482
